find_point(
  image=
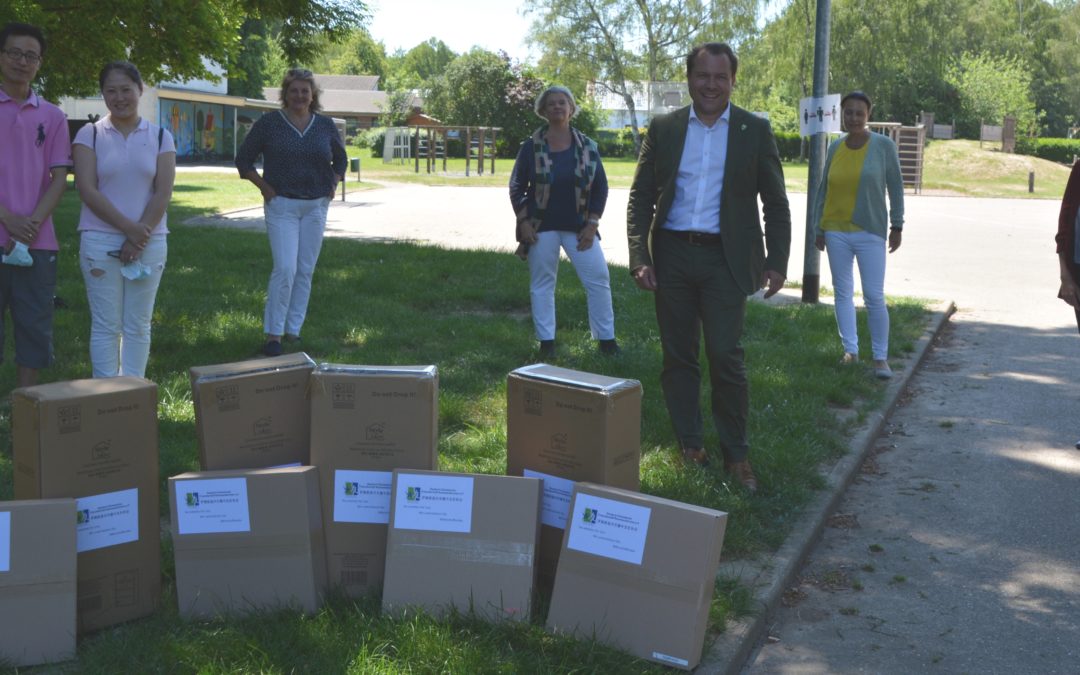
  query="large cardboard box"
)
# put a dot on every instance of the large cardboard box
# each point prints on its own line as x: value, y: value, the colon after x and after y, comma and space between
x: 637, y: 572
x: 565, y: 426
x: 246, y: 540
x: 462, y: 540
x: 37, y: 581
x: 367, y: 421
x: 252, y: 414
x: 96, y: 441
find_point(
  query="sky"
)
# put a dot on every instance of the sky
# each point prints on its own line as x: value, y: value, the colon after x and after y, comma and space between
x: 491, y: 24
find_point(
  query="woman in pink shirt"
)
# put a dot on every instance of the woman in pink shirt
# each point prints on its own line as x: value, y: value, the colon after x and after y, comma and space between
x: 124, y: 169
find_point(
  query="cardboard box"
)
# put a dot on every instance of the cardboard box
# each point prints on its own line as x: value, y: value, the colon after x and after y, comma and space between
x: 252, y: 414
x: 247, y: 540
x: 367, y: 421
x: 462, y: 540
x: 637, y: 572
x: 37, y: 581
x: 565, y: 426
x: 96, y: 441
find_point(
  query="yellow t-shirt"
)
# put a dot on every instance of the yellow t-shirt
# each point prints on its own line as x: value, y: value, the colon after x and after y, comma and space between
x: 843, y: 185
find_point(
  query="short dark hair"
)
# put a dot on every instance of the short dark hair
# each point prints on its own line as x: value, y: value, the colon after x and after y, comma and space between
x: 15, y: 28
x: 125, y: 67
x: 716, y: 49
x: 858, y: 96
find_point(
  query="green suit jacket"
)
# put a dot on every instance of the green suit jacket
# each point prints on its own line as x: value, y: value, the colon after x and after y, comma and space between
x: 752, y: 168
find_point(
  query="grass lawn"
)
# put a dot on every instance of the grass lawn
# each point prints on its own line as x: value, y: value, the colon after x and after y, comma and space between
x: 620, y: 172
x: 963, y: 168
x: 468, y: 313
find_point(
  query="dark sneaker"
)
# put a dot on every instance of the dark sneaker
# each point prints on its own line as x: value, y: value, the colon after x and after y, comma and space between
x: 609, y: 347
x: 547, y: 349
x: 272, y: 348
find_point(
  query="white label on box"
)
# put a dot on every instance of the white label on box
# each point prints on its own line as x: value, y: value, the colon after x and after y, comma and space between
x: 609, y: 528
x: 106, y: 520
x: 434, y: 503
x: 671, y: 659
x: 5, y: 541
x: 555, y: 502
x: 362, y: 496
x: 211, y: 506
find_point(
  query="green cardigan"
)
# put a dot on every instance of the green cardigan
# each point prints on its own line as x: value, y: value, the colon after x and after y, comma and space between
x: 880, y: 173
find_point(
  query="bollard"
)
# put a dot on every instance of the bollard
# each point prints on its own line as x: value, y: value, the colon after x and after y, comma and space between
x: 1031, y: 182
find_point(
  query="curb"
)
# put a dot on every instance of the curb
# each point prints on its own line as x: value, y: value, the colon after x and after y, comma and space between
x: 771, y: 575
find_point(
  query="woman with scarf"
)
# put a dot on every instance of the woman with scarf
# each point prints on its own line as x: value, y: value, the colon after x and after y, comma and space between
x: 558, y: 190
x: 1068, y: 245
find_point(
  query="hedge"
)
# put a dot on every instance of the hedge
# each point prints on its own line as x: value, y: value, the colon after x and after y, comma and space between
x: 1061, y: 150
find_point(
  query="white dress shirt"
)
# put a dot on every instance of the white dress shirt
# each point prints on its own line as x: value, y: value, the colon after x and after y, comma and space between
x: 700, y: 181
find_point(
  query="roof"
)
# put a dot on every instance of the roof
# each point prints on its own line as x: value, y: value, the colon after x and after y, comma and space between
x: 353, y: 82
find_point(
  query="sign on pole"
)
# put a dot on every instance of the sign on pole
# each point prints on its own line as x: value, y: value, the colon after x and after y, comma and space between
x: 817, y: 115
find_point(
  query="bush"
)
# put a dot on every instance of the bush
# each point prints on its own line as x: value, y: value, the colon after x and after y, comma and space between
x: 789, y: 143
x: 1061, y: 150
x: 615, y: 142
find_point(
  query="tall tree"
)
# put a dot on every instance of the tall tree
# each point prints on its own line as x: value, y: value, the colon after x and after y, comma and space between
x: 168, y: 40
x: 630, y: 42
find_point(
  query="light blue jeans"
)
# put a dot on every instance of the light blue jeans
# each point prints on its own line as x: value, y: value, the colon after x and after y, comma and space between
x: 295, y: 229
x: 869, y: 251
x: 120, y: 309
x: 591, y: 268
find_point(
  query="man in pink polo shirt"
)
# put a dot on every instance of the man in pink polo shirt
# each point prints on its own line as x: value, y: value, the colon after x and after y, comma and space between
x: 33, y: 174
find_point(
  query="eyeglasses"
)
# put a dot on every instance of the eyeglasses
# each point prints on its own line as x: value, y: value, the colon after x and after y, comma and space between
x: 30, y: 58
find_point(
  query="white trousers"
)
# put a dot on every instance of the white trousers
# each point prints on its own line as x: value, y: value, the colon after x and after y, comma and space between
x: 869, y: 251
x: 591, y: 268
x: 295, y: 229
x: 120, y: 310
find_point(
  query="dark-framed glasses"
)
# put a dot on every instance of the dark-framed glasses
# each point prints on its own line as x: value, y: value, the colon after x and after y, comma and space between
x: 30, y: 58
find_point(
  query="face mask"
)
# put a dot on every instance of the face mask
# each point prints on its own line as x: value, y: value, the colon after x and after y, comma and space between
x: 135, y: 270
x: 20, y: 255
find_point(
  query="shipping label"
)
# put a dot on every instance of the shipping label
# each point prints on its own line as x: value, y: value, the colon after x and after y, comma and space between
x: 609, y: 528
x: 362, y: 496
x: 212, y: 506
x: 5, y: 541
x: 434, y: 503
x: 107, y: 519
x: 555, y: 502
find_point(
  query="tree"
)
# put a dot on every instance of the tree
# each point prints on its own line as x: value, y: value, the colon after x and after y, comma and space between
x: 480, y: 88
x: 414, y: 68
x: 628, y: 41
x: 357, y: 54
x: 168, y: 40
x: 990, y: 88
x: 254, y: 63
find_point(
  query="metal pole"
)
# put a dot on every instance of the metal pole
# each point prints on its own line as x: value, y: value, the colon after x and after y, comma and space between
x: 818, y: 147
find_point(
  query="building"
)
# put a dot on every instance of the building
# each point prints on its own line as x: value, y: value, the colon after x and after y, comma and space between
x: 650, y: 100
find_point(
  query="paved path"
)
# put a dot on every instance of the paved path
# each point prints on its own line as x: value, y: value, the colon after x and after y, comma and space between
x: 971, y: 495
x: 957, y: 549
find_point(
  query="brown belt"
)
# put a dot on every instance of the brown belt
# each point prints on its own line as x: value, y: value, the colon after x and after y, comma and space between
x: 696, y: 238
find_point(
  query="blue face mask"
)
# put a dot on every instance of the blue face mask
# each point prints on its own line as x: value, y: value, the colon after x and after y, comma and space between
x: 20, y: 255
x: 135, y: 270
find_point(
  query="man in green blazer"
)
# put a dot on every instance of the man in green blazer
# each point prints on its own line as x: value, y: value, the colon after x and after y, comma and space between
x: 696, y: 240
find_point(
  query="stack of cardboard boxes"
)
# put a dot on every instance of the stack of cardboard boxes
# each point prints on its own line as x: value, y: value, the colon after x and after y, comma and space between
x: 259, y: 528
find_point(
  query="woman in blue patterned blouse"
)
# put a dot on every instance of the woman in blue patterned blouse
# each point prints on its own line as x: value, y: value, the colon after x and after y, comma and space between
x: 303, y: 160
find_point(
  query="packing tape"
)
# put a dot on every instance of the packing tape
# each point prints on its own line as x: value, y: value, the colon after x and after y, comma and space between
x: 639, y: 578
x: 426, y: 371
x: 457, y: 549
x: 310, y: 363
x: 230, y: 541
x: 36, y: 589
x: 531, y: 372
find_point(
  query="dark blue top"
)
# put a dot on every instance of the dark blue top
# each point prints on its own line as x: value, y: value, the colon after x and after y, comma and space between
x: 561, y: 212
x: 298, y: 166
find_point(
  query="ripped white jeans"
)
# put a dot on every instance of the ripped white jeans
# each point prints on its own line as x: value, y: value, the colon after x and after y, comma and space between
x: 120, y: 310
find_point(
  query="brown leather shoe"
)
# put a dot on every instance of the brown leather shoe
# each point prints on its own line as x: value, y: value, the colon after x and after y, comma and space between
x: 696, y: 456
x: 742, y: 472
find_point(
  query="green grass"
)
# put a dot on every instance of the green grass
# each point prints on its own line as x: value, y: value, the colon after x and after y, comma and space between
x: 620, y: 173
x: 963, y: 168
x: 468, y: 313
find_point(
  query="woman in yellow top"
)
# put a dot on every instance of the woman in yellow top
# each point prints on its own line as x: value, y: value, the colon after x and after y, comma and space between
x: 850, y: 223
